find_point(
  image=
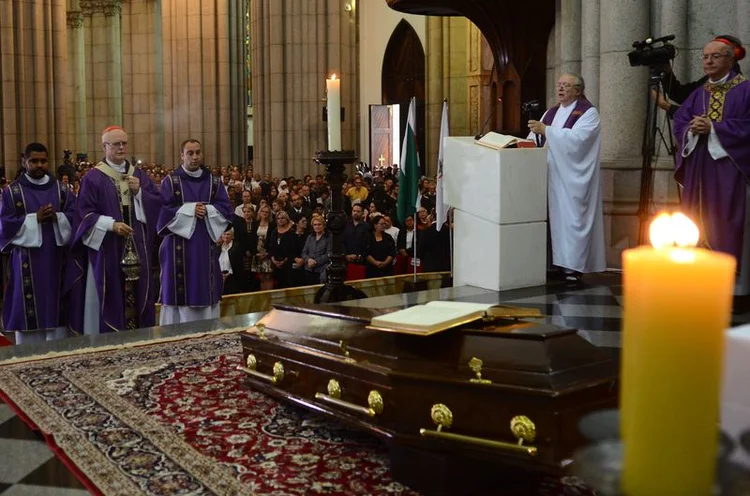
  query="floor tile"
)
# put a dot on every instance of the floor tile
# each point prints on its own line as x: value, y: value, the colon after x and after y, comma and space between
x: 5, y: 412
x: 593, y: 323
x: 22, y: 457
x: 26, y: 490
x: 582, y: 299
x: 608, y: 311
x: 15, y: 428
x: 52, y: 473
x: 602, y: 339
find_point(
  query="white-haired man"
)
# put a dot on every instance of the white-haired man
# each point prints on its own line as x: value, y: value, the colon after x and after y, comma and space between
x: 572, y: 133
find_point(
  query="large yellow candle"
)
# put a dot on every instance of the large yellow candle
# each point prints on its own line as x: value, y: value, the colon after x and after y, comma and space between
x: 677, y: 304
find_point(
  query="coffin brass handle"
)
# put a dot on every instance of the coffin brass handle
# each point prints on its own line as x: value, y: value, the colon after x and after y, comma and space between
x: 252, y: 364
x: 521, y: 426
x: 374, y: 400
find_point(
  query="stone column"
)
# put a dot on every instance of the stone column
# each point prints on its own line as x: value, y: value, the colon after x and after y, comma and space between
x: 674, y: 21
x: 296, y: 45
x: 622, y: 105
x: 590, y: 48
x: 201, y: 54
x: 77, y: 78
x: 570, y: 36
x: 33, y: 100
x: 104, y: 69
x: 743, y: 29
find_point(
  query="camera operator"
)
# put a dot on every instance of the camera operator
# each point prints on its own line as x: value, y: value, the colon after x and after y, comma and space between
x: 572, y: 132
x: 676, y: 92
x: 712, y: 129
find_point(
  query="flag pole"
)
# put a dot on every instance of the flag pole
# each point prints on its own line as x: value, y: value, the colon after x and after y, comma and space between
x: 415, y: 258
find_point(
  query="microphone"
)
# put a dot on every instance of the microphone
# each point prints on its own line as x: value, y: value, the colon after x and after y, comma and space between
x: 487, y: 120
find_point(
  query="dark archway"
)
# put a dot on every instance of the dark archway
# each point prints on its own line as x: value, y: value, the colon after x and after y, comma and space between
x: 403, y: 77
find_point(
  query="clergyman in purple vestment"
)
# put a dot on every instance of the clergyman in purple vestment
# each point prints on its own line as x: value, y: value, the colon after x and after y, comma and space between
x: 712, y: 128
x: 195, y: 214
x: 116, y: 201
x: 35, y: 228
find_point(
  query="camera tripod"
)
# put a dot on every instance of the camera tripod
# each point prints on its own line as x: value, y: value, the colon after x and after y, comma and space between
x: 648, y: 151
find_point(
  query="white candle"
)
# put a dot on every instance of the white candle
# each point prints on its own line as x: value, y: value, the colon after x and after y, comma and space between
x: 333, y: 109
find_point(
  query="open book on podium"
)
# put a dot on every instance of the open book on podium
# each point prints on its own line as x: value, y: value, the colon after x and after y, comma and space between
x: 499, y: 141
x: 437, y: 316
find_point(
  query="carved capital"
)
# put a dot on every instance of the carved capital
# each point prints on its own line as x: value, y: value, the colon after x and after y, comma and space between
x: 106, y: 7
x: 75, y: 19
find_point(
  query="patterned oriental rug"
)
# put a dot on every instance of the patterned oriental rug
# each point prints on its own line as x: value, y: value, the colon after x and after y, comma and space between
x: 176, y: 418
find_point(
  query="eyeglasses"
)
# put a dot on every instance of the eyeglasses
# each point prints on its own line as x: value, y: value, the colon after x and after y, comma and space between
x: 566, y: 86
x: 713, y: 56
x: 117, y: 144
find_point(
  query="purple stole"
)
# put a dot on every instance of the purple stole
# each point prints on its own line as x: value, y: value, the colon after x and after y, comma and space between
x: 582, y: 106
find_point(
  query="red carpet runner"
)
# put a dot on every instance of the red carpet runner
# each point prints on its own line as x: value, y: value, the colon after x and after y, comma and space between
x: 176, y: 418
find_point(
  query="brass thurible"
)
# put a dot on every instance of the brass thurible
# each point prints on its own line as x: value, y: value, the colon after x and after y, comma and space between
x: 252, y: 363
x: 521, y: 426
x: 375, y: 404
x: 475, y: 364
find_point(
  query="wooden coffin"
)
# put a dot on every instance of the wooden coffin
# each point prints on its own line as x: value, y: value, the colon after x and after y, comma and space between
x: 508, y: 393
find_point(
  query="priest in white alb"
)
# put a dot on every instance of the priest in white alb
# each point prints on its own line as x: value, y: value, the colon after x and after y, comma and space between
x: 571, y: 132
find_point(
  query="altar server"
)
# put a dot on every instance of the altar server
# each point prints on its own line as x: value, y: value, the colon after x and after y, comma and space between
x: 712, y: 128
x: 116, y: 201
x: 572, y: 133
x: 35, y: 228
x: 196, y: 213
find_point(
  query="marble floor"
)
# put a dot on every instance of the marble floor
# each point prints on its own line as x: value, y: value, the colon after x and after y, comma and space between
x: 28, y: 467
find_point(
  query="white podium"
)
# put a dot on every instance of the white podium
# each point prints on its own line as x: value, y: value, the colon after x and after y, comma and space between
x: 500, y: 201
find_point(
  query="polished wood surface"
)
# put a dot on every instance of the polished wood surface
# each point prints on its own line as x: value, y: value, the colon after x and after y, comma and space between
x: 546, y: 373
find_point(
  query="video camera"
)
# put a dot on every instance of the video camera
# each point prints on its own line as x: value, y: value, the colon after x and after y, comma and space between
x: 648, y: 54
x: 532, y: 109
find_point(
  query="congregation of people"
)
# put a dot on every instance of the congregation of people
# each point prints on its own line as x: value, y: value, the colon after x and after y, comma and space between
x: 202, y: 233
x: 197, y: 233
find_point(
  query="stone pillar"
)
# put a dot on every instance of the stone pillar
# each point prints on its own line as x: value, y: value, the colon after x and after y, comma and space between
x: 622, y: 105
x: 448, y: 70
x: 590, y: 48
x: 743, y: 29
x: 33, y: 99
x: 77, y: 76
x: 296, y: 45
x: 103, y: 68
x: 674, y: 21
x: 201, y: 52
x: 570, y: 36
x: 551, y: 73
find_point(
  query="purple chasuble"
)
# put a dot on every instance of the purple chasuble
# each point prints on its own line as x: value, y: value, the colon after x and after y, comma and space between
x: 582, y: 105
x: 190, y: 273
x: 100, y: 196
x: 33, y: 294
x: 714, y: 190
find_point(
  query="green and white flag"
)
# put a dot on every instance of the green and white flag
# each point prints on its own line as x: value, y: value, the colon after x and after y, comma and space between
x: 441, y: 213
x: 408, y: 174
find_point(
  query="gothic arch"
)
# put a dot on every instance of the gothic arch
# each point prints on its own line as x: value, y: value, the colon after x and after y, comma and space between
x: 403, y: 77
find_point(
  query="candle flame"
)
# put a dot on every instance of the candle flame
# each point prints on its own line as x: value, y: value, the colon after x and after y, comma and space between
x: 673, y: 230
x: 333, y: 77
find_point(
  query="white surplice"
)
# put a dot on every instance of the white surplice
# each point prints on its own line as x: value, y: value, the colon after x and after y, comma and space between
x: 574, y: 191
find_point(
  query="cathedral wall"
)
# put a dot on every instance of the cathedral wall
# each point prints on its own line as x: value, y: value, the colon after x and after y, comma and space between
x: 377, y: 22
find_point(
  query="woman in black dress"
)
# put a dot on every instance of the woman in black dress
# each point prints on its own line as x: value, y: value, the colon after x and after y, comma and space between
x: 281, y: 245
x: 381, y: 252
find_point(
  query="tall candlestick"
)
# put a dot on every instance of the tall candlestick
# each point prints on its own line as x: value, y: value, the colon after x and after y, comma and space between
x: 333, y: 109
x: 677, y: 304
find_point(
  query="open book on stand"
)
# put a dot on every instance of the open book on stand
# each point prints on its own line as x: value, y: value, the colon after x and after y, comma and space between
x: 437, y: 316
x: 500, y: 141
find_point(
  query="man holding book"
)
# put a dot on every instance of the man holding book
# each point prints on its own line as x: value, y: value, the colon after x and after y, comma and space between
x: 571, y: 132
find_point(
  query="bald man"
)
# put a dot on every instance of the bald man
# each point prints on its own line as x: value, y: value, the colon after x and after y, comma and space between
x: 116, y: 202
